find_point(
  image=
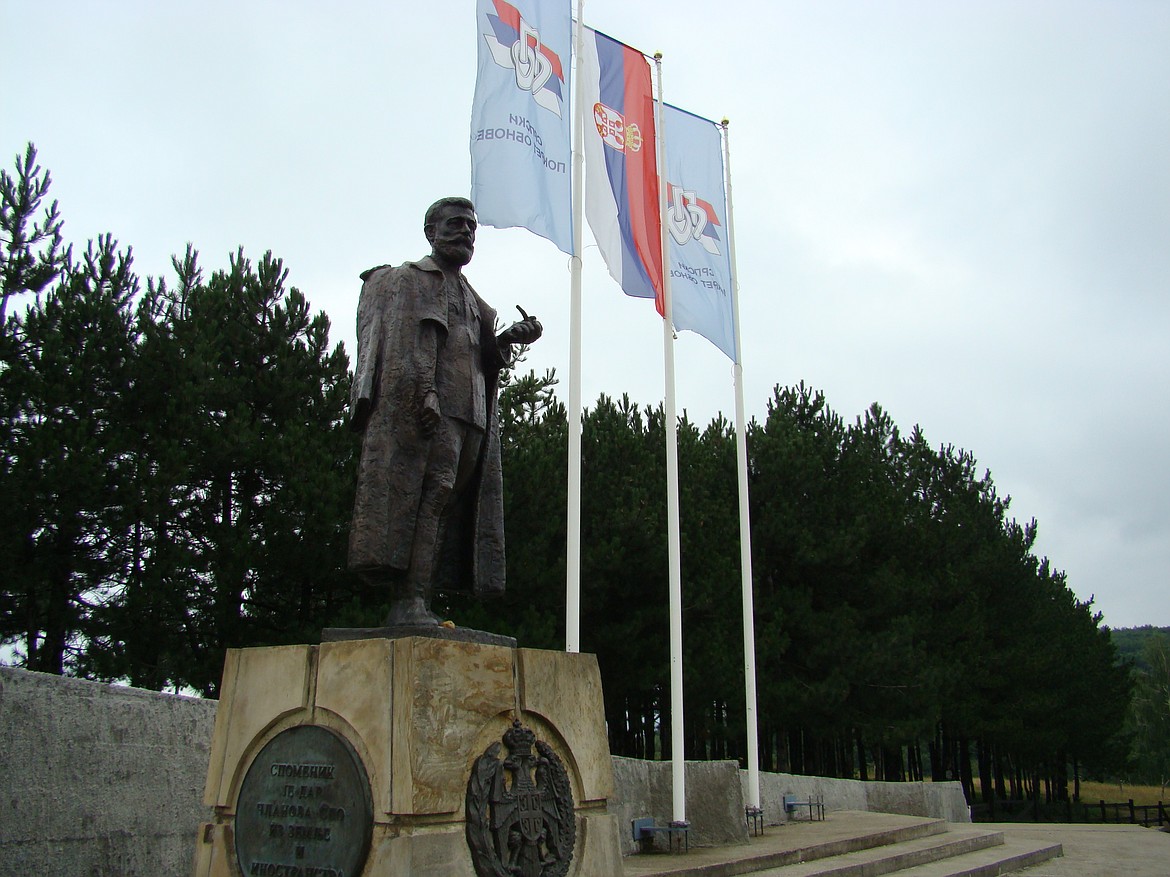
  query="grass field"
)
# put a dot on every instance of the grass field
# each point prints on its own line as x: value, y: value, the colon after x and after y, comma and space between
x: 1113, y: 793
x: 1087, y: 811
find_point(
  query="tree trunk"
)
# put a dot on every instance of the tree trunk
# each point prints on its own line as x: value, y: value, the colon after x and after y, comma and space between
x: 50, y: 654
x: 1061, y: 776
x: 938, y: 771
x: 986, y: 785
x: 1000, y: 788
x: 963, y: 759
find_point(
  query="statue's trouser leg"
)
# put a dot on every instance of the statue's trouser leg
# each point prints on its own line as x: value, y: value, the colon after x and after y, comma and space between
x: 468, y: 458
x: 450, y: 467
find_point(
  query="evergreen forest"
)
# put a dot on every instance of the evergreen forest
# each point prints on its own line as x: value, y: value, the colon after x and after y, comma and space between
x: 177, y: 479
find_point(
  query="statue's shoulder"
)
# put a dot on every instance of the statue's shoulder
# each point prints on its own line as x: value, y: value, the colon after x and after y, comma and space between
x: 388, y: 272
x: 370, y: 272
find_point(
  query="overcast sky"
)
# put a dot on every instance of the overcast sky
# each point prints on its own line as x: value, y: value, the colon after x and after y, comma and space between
x: 960, y: 210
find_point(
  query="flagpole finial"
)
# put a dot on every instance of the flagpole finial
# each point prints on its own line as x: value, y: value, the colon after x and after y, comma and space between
x: 726, y: 121
x: 657, y: 56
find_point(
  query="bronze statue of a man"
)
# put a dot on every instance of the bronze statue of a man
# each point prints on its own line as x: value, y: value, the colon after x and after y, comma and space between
x: 429, y: 507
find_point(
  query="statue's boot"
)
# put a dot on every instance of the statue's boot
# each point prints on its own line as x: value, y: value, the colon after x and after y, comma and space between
x: 410, y: 609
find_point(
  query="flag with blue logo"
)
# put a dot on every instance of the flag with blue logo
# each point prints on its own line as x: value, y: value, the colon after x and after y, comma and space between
x: 621, y: 177
x: 696, y: 219
x: 520, y: 118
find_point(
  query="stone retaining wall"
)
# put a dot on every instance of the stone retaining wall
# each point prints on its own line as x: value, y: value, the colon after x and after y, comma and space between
x: 718, y: 790
x: 938, y: 800
x: 714, y: 802
x: 99, y: 780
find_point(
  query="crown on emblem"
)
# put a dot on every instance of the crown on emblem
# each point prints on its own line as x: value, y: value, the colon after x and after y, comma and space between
x: 633, y: 137
x: 519, y: 738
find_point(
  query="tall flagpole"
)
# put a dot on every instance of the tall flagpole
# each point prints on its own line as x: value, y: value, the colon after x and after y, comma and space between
x: 745, y: 527
x: 678, y: 765
x: 573, y: 515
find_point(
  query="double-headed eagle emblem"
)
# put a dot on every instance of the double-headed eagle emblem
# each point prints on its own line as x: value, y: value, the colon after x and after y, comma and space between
x: 520, y: 820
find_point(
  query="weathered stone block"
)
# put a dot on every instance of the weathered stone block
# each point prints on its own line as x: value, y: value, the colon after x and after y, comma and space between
x: 365, y: 666
x: 260, y: 688
x: 565, y: 690
x: 446, y: 692
x: 418, y: 712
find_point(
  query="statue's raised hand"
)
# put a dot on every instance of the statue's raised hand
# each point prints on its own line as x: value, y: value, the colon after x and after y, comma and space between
x: 524, y: 332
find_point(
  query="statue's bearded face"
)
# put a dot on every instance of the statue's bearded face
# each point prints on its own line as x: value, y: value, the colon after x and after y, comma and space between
x: 452, y: 236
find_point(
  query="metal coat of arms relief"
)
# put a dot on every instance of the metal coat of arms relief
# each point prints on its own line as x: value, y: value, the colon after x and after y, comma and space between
x: 520, y: 820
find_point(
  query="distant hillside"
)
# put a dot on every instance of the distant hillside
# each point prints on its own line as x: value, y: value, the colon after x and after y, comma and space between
x: 1131, y: 641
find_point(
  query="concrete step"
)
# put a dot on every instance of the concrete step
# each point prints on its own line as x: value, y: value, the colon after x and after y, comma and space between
x: 1015, y: 854
x: 899, y: 857
x: 856, y: 844
x: 843, y: 833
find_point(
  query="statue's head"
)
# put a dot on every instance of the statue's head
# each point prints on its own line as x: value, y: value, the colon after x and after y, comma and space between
x: 450, y: 229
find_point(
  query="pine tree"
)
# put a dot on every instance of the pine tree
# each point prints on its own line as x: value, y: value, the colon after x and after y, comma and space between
x: 1150, y: 713
x: 65, y: 384
x: 30, y: 250
x: 245, y: 478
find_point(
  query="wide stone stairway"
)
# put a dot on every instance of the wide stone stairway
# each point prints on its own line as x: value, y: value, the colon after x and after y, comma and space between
x: 853, y: 843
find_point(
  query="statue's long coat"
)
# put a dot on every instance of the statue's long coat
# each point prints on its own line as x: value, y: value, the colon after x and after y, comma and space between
x: 401, y: 313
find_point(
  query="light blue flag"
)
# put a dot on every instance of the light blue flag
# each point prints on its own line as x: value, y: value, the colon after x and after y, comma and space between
x: 696, y: 218
x: 520, y: 118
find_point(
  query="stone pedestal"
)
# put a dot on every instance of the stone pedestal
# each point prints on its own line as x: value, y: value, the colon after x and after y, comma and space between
x: 415, y: 714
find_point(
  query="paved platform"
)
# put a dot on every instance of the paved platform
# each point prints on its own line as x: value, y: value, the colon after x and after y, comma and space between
x: 1096, y: 850
x: 1089, y: 850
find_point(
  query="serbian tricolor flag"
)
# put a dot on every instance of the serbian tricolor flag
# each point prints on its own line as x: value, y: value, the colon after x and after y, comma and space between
x: 521, y: 152
x: 621, y: 179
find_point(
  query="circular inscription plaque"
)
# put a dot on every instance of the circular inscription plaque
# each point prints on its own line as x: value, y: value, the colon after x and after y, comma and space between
x: 304, y: 809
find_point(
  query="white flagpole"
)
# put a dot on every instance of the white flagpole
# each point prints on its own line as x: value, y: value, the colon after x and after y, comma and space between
x: 745, y: 528
x: 678, y: 765
x: 573, y: 515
